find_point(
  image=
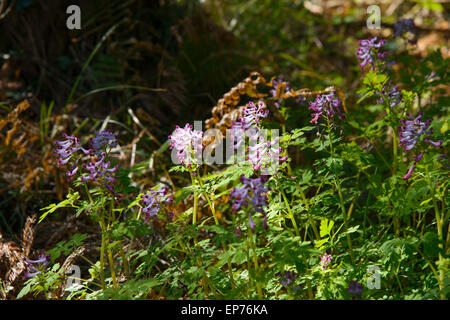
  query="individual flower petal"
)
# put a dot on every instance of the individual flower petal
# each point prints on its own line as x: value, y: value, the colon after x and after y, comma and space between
x: 411, y: 168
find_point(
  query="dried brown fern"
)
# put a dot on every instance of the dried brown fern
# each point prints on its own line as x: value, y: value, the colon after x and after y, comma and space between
x: 28, y: 235
x: 226, y: 110
x: 59, y: 292
x: 11, y: 262
x: 12, y: 257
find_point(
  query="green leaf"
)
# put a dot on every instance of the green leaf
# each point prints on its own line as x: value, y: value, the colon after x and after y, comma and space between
x: 68, y: 203
x: 25, y: 290
x: 325, y: 227
x: 352, y: 229
x: 239, y: 257
x: 365, y: 96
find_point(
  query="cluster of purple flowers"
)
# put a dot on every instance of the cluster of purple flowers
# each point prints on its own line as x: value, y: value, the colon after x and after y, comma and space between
x: 252, y: 192
x: 103, y: 139
x: 404, y: 25
x: 369, y: 52
x: 390, y: 94
x: 355, y: 289
x: 252, y: 114
x: 326, y: 105
x: 287, y: 278
x: 98, y: 168
x: 261, y: 151
x: 409, y: 134
x: 411, y: 130
x: 325, y: 261
x: 153, y: 199
x: 248, y: 123
x: 188, y: 143
x: 67, y: 149
x: 35, y: 267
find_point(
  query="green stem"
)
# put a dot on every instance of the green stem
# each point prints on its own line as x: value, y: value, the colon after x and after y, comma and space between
x: 124, y: 261
x: 310, y: 293
x: 291, y: 215
x: 395, y: 149
x: 344, y: 214
x: 88, y: 193
x: 394, y: 172
x: 337, y: 182
x: 194, y: 213
x: 311, y: 222
x: 255, y: 261
x: 211, y: 205
x: 111, y: 266
x: 230, y: 274
x: 439, y: 223
x: 102, y: 258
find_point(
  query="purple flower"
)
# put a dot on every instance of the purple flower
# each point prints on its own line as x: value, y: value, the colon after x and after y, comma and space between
x: 105, y: 138
x: 404, y: 25
x: 239, y: 196
x: 187, y: 142
x: 326, y: 105
x: 369, y: 52
x: 432, y: 77
x: 66, y: 149
x: 264, y: 152
x: 237, y: 134
x: 411, y: 168
x: 433, y: 143
x: 287, y: 278
x: 250, y: 222
x: 100, y: 171
x: 252, y: 114
x: 325, y: 261
x: 390, y: 94
x: 252, y: 193
x: 248, y: 124
x: 355, y: 288
x: 35, y: 267
x: 152, y: 201
x: 411, y: 131
x: 366, y: 146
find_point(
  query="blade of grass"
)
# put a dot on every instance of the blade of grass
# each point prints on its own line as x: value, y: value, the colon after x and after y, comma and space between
x: 91, y: 56
x: 118, y: 87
